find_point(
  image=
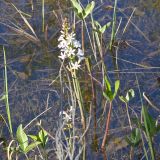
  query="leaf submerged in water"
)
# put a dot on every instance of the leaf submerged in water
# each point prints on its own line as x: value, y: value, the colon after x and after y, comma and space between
x: 22, y: 75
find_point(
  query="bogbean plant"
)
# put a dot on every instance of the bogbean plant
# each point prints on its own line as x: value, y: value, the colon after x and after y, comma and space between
x: 110, y: 96
x: 22, y: 140
x: 71, y: 56
x: 67, y: 143
x: 26, y: 143
x: 125, y: 99
x: 148, y: 125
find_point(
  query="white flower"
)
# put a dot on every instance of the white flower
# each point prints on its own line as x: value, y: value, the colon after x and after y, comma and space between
x: 70, y: 52
x: 70, y: 48
x: 80, y: 54
x: 61, y: 38
x: 62, y: 44
x: 66, y: 117
x: 71, y: 109
x: 62, y: 56
x: 76, y: 44
x: 70, y: 38
x: 75, y: 65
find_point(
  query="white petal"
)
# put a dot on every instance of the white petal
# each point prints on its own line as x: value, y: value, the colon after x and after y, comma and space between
x: 76, y: 44
x: 75, y: 65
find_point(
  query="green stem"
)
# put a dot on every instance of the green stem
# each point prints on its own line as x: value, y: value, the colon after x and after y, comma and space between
x: 42, y: 15
x: 6, y: 95
x: 113, y: 26
x: 80, y: 103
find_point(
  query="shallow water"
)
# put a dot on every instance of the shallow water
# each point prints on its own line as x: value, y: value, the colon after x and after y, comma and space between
x: 33, y: 61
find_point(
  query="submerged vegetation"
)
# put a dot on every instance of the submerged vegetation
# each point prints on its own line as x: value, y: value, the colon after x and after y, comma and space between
x: 68, y: 106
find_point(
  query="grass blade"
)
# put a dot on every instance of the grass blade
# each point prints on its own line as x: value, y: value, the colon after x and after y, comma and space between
x: 113, y: 26
x: 42, y: 15
x: 6, y: 94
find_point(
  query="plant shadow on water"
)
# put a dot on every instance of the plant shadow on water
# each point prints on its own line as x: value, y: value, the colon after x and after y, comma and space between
x: 38, y: 82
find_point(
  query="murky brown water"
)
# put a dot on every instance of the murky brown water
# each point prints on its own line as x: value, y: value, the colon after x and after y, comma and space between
x: 33, y: 64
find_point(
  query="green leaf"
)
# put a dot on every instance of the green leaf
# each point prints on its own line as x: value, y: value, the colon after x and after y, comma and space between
x: 32, y: 146
x: 106, y: 96
x: 88, y: 9
x: 150, y: 129
x: 96, y: 27
x: 43, y: 137
x: 117, y: 84
x: 78, y: 9
x: 107, y: 83
x: 150, y: 123
x: 102, y: 29
x: 135, y: 138
x: 33, y: 137
x: 3, y: 98
x: 97, y: 24
x: 123, y: 99
x: 108, y: 92
x: 130, y: 94
x: 22, y: 138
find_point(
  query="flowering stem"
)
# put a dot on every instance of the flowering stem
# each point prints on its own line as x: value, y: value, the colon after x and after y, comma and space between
x: 80, y: 103
x: 79, y: 97
x: 82, y: 34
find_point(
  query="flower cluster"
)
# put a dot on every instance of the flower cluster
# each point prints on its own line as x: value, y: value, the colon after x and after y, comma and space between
x: 70, y: 48
x: 67, y: 114
x: 67, y: 117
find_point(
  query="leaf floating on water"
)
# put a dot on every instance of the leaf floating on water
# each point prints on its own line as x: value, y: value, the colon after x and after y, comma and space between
x: 25, y: 59
x: 116, y: 144
x: 22, y: 75
x: 139, y: 12
x: 108, y: 7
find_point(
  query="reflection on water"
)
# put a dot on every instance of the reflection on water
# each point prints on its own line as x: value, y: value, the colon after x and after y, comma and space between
x: 33, y: 64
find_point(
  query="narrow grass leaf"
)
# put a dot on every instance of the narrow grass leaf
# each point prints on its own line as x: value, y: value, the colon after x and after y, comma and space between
x: 113, y: 25
x: 25, y: 20
x: 135, y: 138
x: 6, y: 93
x: 146, y: 121
x: 43, y: 16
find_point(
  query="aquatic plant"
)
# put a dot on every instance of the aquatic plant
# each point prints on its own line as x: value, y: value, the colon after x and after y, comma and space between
x: 82, y: 72
x: 80, y: 12
x: 125, y: 99
x: 109, y: 95
x: 71, y: 58
x: 70, y: 48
